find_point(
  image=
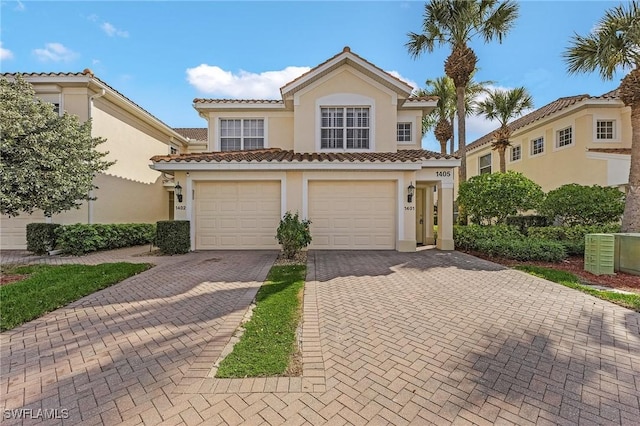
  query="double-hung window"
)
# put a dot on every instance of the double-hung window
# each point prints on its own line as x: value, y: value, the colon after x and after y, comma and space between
x: 537, y: 146
x: 344, y: 128
x: 485, y: 164
x: 564, y: 137
x: 404, y: 132
x: 605, y: 130
x: 516, y: 153
x: 241, y: 134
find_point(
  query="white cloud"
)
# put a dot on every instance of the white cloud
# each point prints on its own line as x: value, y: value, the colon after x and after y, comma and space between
x: 411, y: 83
x: 55, y: 52
x: 5, y: 53
x: 112, y: 31
x: 213, y: 80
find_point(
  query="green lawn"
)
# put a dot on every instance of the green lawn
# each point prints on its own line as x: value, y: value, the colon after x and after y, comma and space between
x: 49, y: 287
x: 631, y: 301
x: 268, y: 342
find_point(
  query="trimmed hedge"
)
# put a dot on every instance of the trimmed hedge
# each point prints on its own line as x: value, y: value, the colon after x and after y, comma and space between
x: 80, y: 238
x: 466, y: 237
x: 572, y: 237
x: 525, y: 222
x: 41, y: 237
x: 173, y: 236
x: 523, y: 249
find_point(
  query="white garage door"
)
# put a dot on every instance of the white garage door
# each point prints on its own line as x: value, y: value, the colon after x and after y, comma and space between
x: 13, y: 230
x: 352, y: 215
x: 237, y: 215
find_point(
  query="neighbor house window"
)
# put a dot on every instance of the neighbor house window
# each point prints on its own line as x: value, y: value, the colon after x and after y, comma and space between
x: 344, y: 128
x: 564, y: 137
x: 605, y: 130
x: 537, y: 146
x: 485, y: 164
x: 241, y: 134
x: 516, y: 153
x: 404, y: 132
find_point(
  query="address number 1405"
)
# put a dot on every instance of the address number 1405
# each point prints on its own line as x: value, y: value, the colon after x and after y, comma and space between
x: 443, y: 174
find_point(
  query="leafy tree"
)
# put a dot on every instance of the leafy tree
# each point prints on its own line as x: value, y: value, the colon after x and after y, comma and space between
x: 293, y: 234
x: 612, y: 45
x: 456, y: 23
x: 503, y: 105
x: 574, y: 204
x: 48, y: 160
x: 441, y: 119
x: 493, y: 197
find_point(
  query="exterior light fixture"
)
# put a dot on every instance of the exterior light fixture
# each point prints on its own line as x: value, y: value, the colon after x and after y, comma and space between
x: 410, y: 190
x: 178, y: 191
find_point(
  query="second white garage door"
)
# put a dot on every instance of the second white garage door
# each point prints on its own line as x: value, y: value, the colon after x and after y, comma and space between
x: 352, y: 215
x: 237, y: 215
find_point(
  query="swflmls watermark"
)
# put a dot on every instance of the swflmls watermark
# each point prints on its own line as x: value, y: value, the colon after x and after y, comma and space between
x: 38, y: 414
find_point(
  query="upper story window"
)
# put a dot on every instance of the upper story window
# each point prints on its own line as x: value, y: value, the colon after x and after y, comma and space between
x: 537, y: 146
x: 516, y: 153
x: 56, y: 108
x: 564, y: 137
x: 344, y: 128
x: 485, y: 164
x: 605, y: 130
x: 404, y: 132
x: 241, y: 134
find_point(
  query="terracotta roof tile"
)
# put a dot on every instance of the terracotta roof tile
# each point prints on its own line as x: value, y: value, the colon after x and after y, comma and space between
x: 625, y: 151
x: 421, y: 98
x: 279, y: 155
x: 236, y: 101
x: 195, y: 133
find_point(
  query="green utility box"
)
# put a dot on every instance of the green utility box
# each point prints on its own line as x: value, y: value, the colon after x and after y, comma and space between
x: 599, y: 251
x: 627, y: 253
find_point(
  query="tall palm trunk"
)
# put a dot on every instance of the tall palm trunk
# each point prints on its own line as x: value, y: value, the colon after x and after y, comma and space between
x: 462, y: 140
x: 502, y: 152
x: 453, y: 137
x: 631, y: 216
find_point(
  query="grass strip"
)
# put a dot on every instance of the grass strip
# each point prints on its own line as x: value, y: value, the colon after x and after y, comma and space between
x: 268, y: 342
x: 631, y: 301
x: 50, y: 287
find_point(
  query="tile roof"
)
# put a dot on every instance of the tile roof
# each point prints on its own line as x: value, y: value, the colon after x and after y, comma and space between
x: 236, y: 101
x: 279, y: 155
x: 195, y: 133
x: 625, y: 151
x: 86, y: 73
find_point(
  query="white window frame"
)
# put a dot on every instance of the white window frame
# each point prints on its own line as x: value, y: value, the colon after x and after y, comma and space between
x: 558, y: 137
x: 532, y: 145
x: 480, y: 168
x: 512, y: 150
x: 614, y: 123
x: 345, y: 100
x: 242, y: 132
x: 358, y: 121
x: 410, y: 130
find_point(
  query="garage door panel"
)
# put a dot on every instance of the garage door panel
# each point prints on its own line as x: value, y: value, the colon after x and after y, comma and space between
x: 352, y: 215
x: 237, y: 215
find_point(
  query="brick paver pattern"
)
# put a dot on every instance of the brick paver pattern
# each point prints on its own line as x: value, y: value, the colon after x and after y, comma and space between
x: 389, y: 338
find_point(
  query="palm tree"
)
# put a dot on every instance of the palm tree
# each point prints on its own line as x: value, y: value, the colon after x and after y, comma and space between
x: 503, y: 105
x: 455, y: 23
x: 613, y: 45
x: 441, y: 119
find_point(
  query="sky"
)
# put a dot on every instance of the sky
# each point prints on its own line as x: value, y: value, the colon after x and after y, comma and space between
x: 162, y: 55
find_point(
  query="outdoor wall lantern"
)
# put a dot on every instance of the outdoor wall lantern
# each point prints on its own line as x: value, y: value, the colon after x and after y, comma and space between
x: 410, y: 190
x: 178, y: 191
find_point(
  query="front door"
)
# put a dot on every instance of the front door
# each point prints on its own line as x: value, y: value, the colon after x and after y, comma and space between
x: 420, y: 220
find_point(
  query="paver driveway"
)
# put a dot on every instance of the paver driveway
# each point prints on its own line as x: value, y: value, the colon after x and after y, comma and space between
x: 389, y: 338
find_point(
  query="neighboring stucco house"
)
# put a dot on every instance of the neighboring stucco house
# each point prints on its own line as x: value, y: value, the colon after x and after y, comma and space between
x: 342, y: 147
x: 129, y: 191
x: 578, y: 139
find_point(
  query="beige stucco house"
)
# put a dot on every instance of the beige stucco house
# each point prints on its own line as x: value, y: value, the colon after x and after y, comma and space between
x: 341, y: 147
x: 578, y: 139
x: 129, y: 191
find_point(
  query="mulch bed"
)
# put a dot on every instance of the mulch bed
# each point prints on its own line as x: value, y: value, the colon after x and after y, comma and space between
x: 575, y: 265
x: 11, y: 278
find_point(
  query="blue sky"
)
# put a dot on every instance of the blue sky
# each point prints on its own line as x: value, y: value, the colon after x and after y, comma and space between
x: 162, y: 55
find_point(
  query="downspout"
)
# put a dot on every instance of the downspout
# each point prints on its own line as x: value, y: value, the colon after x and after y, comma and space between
x: 90, y: 201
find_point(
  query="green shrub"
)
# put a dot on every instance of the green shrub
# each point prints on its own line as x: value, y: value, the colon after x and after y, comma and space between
x: 41, y: 237
x: 467, y: 237
x: 293, y: 234
x: 173, y: 236
x: 574, y: 204
x: 525, y: 222
x: 572, y: 237
x: 524, y: 249
x: 80, y: 238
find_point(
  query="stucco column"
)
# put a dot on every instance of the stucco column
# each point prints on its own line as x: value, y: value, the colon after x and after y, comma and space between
x: 445, y: 216
x: 428, y: 216
x: 407, y: 232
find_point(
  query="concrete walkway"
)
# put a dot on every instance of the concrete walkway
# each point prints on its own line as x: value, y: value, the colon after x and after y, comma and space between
x: 389, y: 338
